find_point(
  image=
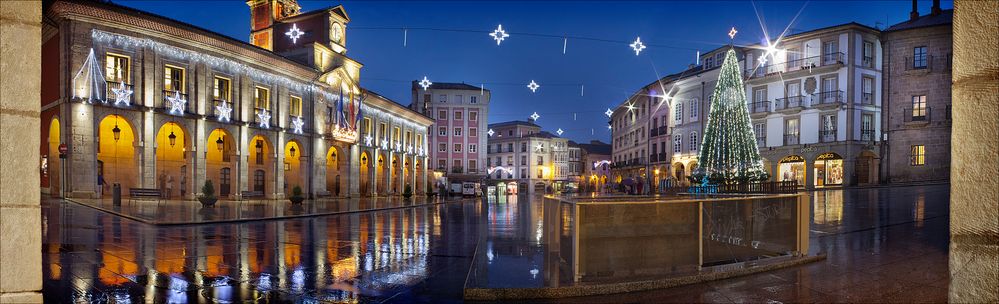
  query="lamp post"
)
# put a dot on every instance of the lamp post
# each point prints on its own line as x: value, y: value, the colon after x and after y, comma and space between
x: 173, y: 139
x: 292, y: 151
x: 219, y: 143
x: 117, y: 132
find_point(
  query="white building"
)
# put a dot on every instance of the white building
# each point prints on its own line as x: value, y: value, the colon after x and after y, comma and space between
x: 521, y: 155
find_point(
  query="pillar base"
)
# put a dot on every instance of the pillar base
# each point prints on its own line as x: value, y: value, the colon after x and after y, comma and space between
x: 20, y: 297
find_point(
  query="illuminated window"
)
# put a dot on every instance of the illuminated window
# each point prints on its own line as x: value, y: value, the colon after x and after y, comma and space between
x: 295, y: 106
x: 261, y: 98
x: 116, y: 68
x: 917, y: 155
x: 442, y: 148
x: 173, y: 79
x: 366, y: 126
x: 222, y: 89
x: 919, y: 107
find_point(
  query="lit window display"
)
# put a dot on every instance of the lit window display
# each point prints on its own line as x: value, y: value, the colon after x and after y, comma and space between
x: 828, y: 170
x: 792, y: 168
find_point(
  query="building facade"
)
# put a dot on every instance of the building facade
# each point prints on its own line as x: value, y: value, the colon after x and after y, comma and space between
x: 596, y: 167
x: 149, y: 103
x: 460, y: 119
x: 917, y: 98
x: 522, y: 157
x: 686, y: 118
x: 629, y: 123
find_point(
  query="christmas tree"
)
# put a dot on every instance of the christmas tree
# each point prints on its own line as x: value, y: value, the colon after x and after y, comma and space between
x: 728, y: 151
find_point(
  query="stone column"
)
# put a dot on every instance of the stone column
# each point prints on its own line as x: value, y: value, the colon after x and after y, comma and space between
x: 389, y: 173
x: 20, y: 215
x: 201, y: 146
x: 278, y: 153
x: 974, y: 210
x: 353, y: 177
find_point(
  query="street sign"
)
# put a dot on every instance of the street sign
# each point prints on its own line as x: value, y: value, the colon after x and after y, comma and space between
x: 63, y: 148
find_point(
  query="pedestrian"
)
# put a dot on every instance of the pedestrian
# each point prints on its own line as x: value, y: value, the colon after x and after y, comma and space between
x: 101, y: 184
x: 169, y: 186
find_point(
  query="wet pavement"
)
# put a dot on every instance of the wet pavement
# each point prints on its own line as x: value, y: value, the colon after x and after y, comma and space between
x: 882, y: 245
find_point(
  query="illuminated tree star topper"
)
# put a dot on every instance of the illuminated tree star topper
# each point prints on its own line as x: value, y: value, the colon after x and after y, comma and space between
x: 499, y: 34
x: 225, y: 111
x: 490, y: 132
x: 609, y: 113
x: 559, y: 132
x: 265, y: 119
x: 638, y: 46
x: 535, y: 116
x: 294, y: 33
x: 425, y: 83
x: 533, y: 86
x: 122, y: 94
x: 177, y: 103
x: 297, y: 124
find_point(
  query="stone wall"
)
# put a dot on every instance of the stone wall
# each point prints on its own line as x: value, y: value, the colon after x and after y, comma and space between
x: 20, y: 215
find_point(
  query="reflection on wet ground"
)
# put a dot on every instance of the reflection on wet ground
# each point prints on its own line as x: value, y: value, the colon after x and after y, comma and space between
x: 883, y: 244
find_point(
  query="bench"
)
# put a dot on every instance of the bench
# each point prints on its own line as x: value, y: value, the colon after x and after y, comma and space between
x: 144, y: 193
x: 251, y: 194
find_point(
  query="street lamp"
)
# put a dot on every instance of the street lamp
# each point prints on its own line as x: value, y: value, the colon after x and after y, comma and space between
x: 117, y: 132
x: 292, y: 151
x: 220, y: 143
x: 173, y: 139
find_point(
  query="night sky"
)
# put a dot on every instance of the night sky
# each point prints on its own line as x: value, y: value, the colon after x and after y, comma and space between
x: 610, y: 71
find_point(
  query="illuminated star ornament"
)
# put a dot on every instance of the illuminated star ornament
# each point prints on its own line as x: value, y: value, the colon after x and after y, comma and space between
x: 384, y: 145
x: 367, y: 140
x: 559, y: 132
x: 294, y: 33
x: 499, y: 34
x: 732, y: 32
x: 490, y: 132
x: 535, y: 116
x: 638, y: 46
x: 425, y: 83
x: 409, y: 149
x: 122, y: 95
x: 177, y: 103
x: 533, y: 86
x: 265, y: 119
x: 539, y: 147
x: 630, y: 107
x: 609, y: 113
x: 297, y: 124
x: 225, y: 111
x: 398, y: 147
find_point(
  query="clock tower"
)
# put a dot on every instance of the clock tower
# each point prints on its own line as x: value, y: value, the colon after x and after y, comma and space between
x: 264, y: 14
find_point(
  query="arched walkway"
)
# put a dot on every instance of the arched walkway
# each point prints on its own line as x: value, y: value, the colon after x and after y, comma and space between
x: 336, y: 179
x: 220, y: 156
x: 380, y: 171
x: 171, y: 161
x: 420, y: 187
x: 116, y: 161
x: 261, y: 166
x: 365, y: 176
x: 293, y: 168
x: 53, y: 164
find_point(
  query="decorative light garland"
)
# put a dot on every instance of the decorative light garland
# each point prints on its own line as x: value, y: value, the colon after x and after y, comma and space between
x: 425, y: 83
x: 637, y: 46
x: 294, y: 33
x: 499, y: 34
x: 89, y: 83
x: 533, y: 86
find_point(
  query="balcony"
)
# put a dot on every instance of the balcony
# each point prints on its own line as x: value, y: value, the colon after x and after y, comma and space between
x: 829, y: 99
x: 867, y: 62
x: 827, y: 135
x: 795, y: 65
x: 216, y: 103
x: 113, y: 98
x: 832, y: 58
x: 169, y: 106
x: 867, y: 135
x: 916, y: 116
x: 761, y: 142
x: 867, y: 98
x: 790, y: 139
x: 653, y: 158
x: 663, y: 130
x: 653, y: 132
x: 789, y: 103
x: 759, y: 107
x: 662, y: 157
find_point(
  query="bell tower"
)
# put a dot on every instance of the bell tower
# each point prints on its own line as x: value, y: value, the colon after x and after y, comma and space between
x: 264, y: 14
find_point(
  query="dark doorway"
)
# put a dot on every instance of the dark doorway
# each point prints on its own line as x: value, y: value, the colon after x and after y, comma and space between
x: 258, y: 181
x: 224, y: 185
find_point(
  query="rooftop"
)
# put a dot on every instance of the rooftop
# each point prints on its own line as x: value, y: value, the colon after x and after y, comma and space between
x: 449, y: 86
x: 596, y: 147
x: 945, y: 17
x: 514, y: 123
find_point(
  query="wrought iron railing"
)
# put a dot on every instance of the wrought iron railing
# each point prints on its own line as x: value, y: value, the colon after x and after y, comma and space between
x: 830, y: 97
x: 788, y: 102
x: 112, y: 86
x: 867, y: 135
x: 827, y: 135
x: 759, y: 107
x: 790, y: 139
x: 867, y: 98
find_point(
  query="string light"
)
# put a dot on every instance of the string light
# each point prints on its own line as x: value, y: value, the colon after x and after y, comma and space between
x: 638, y: 46
x: 499, y: 34
x: 89, y: 83
x: 533, y: 86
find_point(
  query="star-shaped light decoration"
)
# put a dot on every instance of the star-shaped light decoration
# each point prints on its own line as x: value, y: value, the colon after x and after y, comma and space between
x: 384, y: 145
x: 499, y: 34
x: 294, y: 33
x: 265, y: 119
x: 421, y: 152
x: 630, y: 107
x: 409, y: 149
x: 608, y: 127
x: 367, y: 140
x: 533, y: 86
x: 398, y: 147
x: 225, y: 111
x: 732, y: 32
x: 297, y: 124
x: 638, y: 46
x: 177, y: 103
x: 490, y: 132
x: 559, y: 132
x: 425, y: 83
x: 122, y: 95
x: 535, y: 116
x: 539, y: 147
x: 609, y: 113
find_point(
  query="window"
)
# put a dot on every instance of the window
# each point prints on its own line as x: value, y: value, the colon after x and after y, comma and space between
x: 867, y: 122
x: 829, y: 122
x: 509, y: 132
x: 457, y: 115
x: 693, y: 109
x: 457, y: 147
x: 295, y: 106
x: 678, y: 112
x: 221, y: 90
x: 693, y: 141
x: 509, y: 160
x: 868, y: 54
x: 676, y: 143
x: 381, y: 131
x: 830, y: 51
x: 173, y: 79
x: 395, y: 134
x: 442, y: 131
x: 917, y: 155
x: 867, y: 89
x: 473, y: 132
x: 473, y: 99
x: 541, y: 160
x: 116, y: 68
x: 261, y: 98
x: 457, y: 131
x: 793, y: 58
x: 442, y: 148
x: 442, y: 98
x: 441, y: 164
x: 473, y: 116
x: 442, y: 114
x: 919, y: 107
x: 456, y: 165
x: 523, y: 160
x: 919, y: 57
x: 472, y: 148
x: 829, y: 84
x: 509, y: 147
x: 541, y: 173
x: 791, y: 127
x: 761, y: 132
x: 759, y: 95
x: 472, y: 166
x: 523, y: 147
x: 709, y: 62
x: 523, y: 173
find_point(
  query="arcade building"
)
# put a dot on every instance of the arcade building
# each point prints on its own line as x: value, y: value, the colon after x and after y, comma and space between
x: 156, y: 105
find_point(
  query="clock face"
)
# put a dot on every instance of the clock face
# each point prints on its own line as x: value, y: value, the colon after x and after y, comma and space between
x: 337, y: 33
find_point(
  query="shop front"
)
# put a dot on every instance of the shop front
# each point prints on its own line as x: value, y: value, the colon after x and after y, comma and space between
x: 828, y: 170
x: 792, y: 168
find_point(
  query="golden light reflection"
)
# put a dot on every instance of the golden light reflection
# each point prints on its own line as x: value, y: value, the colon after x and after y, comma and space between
x: 828, y: 206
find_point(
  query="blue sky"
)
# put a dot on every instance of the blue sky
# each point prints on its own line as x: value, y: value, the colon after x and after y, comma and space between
x: 608, y: 71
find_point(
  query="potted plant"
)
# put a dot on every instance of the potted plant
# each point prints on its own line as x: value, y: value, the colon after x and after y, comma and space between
x: 407, y: 192
x: 207, y: 197
x: 296, y: 195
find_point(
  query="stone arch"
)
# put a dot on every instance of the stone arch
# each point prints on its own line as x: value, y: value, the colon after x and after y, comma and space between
x: 381, y: 168
x: 866, y: 167
x: 173, y: 170
x: 365, y: 162
x: 294, y: 174
x: 220, y: 161
x: 53, y: 164
x: 116, y: 154
x: 260, y: 165
x: 336, y: 171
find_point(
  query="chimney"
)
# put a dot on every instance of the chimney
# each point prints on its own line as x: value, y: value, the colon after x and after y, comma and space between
x: 915, y: 12
x: 936, y: 8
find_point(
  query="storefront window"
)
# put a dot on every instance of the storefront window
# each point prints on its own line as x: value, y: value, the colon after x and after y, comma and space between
x: 792, y: 168
x: 828, y: 170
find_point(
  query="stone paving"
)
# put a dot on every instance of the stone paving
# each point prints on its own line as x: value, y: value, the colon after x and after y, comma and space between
x: 882, y: 244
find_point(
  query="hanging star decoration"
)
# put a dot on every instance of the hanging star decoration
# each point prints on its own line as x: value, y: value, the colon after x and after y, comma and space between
x: 122, y: 95
x: 294, y: 33
x: 499, y: 34
x: 630, y: 107
x: 533, y: 86
x: 732, y: 32
x: 297, y: 124
x: 384, y: 145
x: 409, y: 149
x: 177, y: 103
x: 265, y: 119
x: 367, y: 140
x: 225, y: 111
x: 609, y: 127
x: 535, y: 116
x: 609, y: 113
x: 425, y: 83
x: 638, y: 46
x: 490, y: 132
x: 398, y: 147
x: 559, y: 132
